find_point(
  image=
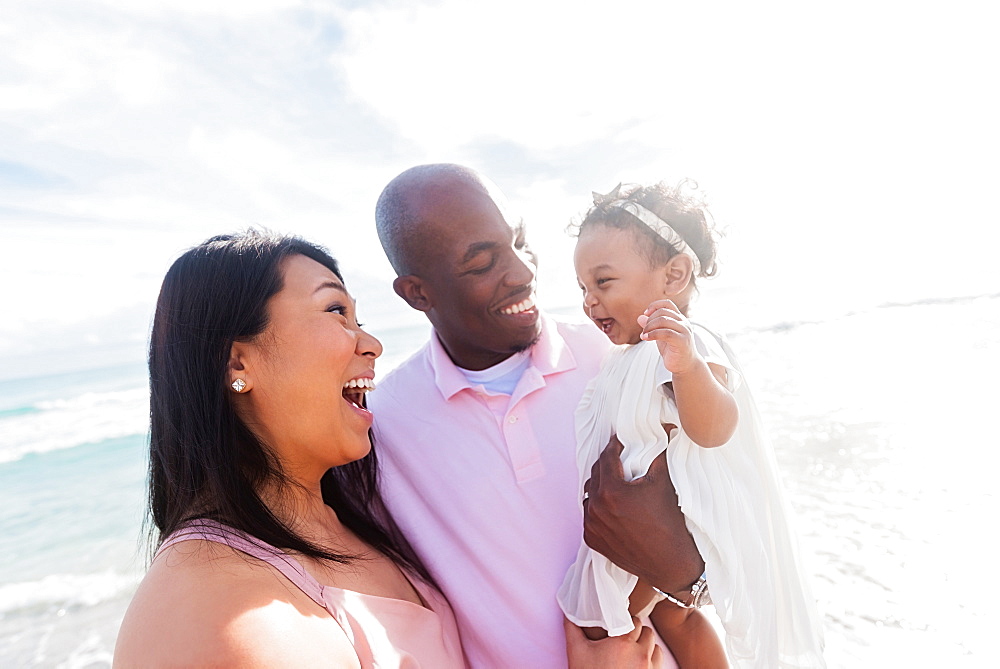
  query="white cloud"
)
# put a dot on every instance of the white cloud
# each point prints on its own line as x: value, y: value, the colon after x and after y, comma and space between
x: 152, y: 125
x: 57, y: 66
x: 227, y: 9
x: 542, y: 74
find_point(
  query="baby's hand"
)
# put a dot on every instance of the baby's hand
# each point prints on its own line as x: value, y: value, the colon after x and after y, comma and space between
x: 663, y: 322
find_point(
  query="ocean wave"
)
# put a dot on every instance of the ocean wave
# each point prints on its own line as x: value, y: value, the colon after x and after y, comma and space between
x: 18, y: 411
x: 783, y: 326
x: 59, y: 424
x: 63, y: 591
x: 961, y: 299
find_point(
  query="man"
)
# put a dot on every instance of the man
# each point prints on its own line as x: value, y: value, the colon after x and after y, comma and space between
x: 475, y: 431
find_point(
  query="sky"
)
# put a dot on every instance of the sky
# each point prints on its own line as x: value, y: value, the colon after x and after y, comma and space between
x: 848, y: 151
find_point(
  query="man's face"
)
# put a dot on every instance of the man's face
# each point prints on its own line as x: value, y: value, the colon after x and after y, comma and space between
x: 478, y: 274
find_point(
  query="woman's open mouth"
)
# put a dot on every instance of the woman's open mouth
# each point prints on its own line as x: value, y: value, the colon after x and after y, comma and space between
x: 354, y: 391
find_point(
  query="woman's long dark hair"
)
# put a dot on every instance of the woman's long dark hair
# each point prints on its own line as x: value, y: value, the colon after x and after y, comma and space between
x: 204, y: 461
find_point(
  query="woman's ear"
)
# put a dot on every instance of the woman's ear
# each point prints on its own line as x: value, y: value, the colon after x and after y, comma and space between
x: 240, y: 375
x: 677, y: 274
x: 412, y: 289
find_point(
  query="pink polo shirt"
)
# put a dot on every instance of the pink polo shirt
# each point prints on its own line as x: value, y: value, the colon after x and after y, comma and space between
x: 485, y: 487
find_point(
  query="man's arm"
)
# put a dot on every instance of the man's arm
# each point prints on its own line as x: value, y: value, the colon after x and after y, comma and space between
x: 638, y: 524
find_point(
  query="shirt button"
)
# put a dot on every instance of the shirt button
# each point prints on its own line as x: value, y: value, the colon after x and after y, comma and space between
x: 512, y: 419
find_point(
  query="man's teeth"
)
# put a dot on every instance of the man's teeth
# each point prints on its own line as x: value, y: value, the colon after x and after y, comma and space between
x: 364, y: 385
x: 519, y: 307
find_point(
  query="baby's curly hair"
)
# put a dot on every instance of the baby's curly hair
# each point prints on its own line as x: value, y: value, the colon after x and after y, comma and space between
x: 679, y: 208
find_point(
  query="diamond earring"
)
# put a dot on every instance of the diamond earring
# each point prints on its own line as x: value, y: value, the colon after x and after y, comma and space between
x: 239, y: 385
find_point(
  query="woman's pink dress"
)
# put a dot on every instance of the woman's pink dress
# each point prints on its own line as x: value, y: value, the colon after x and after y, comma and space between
x: 385, y: 632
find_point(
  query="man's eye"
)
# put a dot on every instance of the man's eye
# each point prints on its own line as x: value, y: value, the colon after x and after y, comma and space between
x: 484, y: 269
x: 601, y: 282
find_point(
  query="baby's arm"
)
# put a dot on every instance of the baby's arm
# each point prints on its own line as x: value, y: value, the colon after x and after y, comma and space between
x: 707, y: 409
x: 689, y: 635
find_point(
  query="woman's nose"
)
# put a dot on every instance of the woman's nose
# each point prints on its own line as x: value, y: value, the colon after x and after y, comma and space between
x: 369, y: 345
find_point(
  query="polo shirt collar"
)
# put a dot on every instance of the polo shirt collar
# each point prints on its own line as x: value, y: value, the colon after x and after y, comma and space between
x: 549, y: 355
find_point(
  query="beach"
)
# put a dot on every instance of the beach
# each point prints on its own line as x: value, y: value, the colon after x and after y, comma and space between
x: 878, y: 419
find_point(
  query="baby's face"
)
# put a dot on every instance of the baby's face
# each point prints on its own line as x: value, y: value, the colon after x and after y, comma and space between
x: 617, y: 281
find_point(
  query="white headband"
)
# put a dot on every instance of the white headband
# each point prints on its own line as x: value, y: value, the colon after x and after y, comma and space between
x: 660, y: 227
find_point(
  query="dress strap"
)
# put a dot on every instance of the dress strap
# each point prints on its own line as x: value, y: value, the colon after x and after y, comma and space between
x: 290, y: 568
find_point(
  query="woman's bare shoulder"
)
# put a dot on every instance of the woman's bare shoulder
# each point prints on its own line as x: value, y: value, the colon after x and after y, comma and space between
x: 203, y: 603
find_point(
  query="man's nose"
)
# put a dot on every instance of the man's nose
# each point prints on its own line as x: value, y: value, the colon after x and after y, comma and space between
x: 522, y: 268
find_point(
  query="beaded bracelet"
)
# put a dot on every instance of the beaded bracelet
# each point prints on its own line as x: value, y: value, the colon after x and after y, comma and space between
x: 699, y: 595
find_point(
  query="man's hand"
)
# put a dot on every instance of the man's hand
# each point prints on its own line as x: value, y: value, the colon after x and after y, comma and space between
x: 635, y: 650
x: 638, y: 524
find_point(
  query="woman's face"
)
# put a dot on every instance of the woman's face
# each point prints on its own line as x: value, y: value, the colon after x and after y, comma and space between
x: 308, y: 372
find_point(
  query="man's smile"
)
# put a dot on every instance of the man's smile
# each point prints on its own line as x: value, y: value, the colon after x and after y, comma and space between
x: 527, y: 304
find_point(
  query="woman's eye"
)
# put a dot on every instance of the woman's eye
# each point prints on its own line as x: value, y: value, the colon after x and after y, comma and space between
x: 601, y: 282
x: 342, y: 310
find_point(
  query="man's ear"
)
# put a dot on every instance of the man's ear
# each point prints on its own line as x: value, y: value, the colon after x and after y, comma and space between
x: 677, y: 274
x: 413, y: 290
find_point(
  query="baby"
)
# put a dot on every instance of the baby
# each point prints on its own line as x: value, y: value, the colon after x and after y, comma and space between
x: 673, y: 389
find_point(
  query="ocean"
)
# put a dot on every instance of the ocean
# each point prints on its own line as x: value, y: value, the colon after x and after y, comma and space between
x: 880, y: 419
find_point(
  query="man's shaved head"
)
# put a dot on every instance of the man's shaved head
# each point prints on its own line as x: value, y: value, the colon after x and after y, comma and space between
x: 461, y: 257
x: 401, y: 214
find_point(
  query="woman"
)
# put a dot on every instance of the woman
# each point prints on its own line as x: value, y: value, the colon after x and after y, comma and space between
x: 274, y: 546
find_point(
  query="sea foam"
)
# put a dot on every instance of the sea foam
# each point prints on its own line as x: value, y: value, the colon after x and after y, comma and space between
x: 64, y: 423
x: 57, y: 592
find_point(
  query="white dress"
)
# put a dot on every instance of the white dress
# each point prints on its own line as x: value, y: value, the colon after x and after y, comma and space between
x: 733, y: 504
